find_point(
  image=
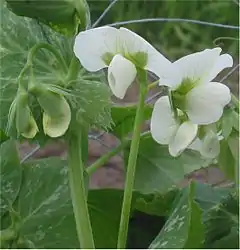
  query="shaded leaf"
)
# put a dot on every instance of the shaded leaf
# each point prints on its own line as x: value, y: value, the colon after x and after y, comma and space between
x: 10, y: 174
x: 63, y: 16
x: 156, y: 203
x: 143, y: 228
x: 184, y: 228
x: 157, y: 171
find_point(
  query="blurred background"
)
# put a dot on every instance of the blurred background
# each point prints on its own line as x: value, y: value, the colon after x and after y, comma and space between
x: 174, y: 40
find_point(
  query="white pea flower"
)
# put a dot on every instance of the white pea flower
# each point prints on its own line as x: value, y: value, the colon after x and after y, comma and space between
x: 192, y: 89
x: 122, y: 51
x: 166, y: 130
x: 208, y: 146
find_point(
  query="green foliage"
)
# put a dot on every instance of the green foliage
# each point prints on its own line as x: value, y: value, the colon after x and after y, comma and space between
x: 36, y: 207
x: 18, y: 35
x: 10, y: 174
x: 157, y: 171
x: 156, y: 204
x: 207, y: 196
x: 179, y: 38
x: 45, y: 208
x: 222, y: 224
x: 63, y: 16
x: 184, y: 228
x: 226, y: 160
x: 123, y: 119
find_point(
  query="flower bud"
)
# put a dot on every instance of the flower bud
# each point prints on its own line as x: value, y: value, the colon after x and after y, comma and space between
x: 56, y: 126
x: 56, y: 110
x: 210, y: 145
x: 25, y: 123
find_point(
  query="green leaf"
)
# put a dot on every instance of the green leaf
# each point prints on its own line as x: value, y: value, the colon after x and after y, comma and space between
x: 3, y: 136
x: 227, y: 123
x: 156, y: 203
x: 208, y: 196
x: 63, y: 16
x: 235, y: 120
x: 157, y: 170
x: 123, y: 119
x: 105, y: 209
x: 46, y: 210
x: 10, y: 174
x: 222, y: 224
x: 44, y: 205
x: 184, y: 228
x: 17, y: 36
x: 226, y: 160
x: 91, y: 100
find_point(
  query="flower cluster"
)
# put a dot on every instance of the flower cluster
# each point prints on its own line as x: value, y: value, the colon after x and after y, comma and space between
x: 56, y: 111
x: 194, y: 101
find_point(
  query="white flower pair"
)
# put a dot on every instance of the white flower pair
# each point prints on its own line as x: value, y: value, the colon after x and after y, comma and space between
x: 196, y: 100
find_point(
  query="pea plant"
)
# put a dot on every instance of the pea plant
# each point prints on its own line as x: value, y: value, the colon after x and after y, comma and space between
x: 53, y: 87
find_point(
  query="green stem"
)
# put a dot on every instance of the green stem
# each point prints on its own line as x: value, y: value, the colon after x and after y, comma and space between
x: 33, y: 51
x: 105, y: 158
x: 129, y: 182
x: 78, y: 194
x: 50, y: 48
x: 73, y: 70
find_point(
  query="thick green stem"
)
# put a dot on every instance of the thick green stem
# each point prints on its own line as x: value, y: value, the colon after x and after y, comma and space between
x: 105, y: 158
x: 78, y: 194
x: 129, y: 182
x: 73, y: 70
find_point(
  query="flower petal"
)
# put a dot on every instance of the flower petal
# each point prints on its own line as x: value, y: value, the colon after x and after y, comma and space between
x: 205, y: 103
x: 210, y: 145
x: 57, y: 126
x: 183, y: 138
x: 163, y: 125
x: 121, y: 73
x: 154, y: 60
x: 194, y: 67
x: 91, y: 45
x: 223, y: 61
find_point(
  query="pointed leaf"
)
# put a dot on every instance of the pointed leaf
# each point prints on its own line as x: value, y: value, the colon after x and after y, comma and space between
x: 184, y: 228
